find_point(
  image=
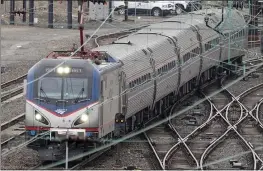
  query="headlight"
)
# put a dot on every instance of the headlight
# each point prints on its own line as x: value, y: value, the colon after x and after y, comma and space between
x: 66, y: 70
x: 40, y: 118
x: 84, y: 117
x: 62, y: 70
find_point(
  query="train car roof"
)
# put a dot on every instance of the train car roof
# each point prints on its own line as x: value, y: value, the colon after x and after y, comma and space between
x: 181, y: 29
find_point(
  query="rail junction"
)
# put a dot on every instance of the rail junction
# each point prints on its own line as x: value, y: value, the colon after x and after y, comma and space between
x: 209, y: 128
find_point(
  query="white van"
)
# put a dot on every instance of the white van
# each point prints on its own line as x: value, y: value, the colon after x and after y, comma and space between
x: 157, y: 8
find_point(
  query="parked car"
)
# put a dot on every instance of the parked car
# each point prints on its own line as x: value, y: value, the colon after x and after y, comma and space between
x: 157, y: 8
x: 187, y: 6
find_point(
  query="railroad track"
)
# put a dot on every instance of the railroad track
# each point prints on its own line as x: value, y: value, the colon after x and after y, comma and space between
x: 191, y: 145
x: 230, y: 138
x: 160, y: 139
x: 14, y: 81
x: 239, y: 131
x: 15, y: 91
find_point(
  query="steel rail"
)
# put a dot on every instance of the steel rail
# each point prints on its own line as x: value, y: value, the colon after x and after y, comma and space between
x: 233, y: 127
x: 173, y: 148
x: 255, y: 155
x: 257, y: 112
x: 89, y: 159
x: 241, y: 96
x: 14, y: 81
x: 10, y: 139
x: 13, y: 121
x: 12, y: 94
x: 153, y: 149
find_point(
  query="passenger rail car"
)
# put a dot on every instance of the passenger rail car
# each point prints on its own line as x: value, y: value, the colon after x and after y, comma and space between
x: 131, y: 80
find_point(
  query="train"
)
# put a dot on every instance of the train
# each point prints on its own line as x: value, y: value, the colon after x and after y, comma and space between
x: 94, y: 97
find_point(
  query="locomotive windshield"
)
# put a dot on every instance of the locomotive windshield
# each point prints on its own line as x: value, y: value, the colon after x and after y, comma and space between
x: 63, y: 88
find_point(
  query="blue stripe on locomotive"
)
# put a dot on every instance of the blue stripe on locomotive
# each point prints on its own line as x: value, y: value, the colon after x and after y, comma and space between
x: 69, y: 109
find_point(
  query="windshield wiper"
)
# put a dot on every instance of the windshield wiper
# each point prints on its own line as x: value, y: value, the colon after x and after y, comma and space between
x: 79, y: 95
x: 46, y: 97
x: 40, y: 99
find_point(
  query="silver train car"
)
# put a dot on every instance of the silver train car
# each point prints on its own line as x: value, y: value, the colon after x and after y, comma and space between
x: 132, y: 80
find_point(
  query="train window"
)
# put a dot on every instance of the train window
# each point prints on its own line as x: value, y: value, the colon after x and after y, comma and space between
x: 130, y: 85
x: 139, y: 81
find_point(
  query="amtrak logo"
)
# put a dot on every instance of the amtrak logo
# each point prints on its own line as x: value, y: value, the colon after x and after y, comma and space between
x: 61, y: 111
